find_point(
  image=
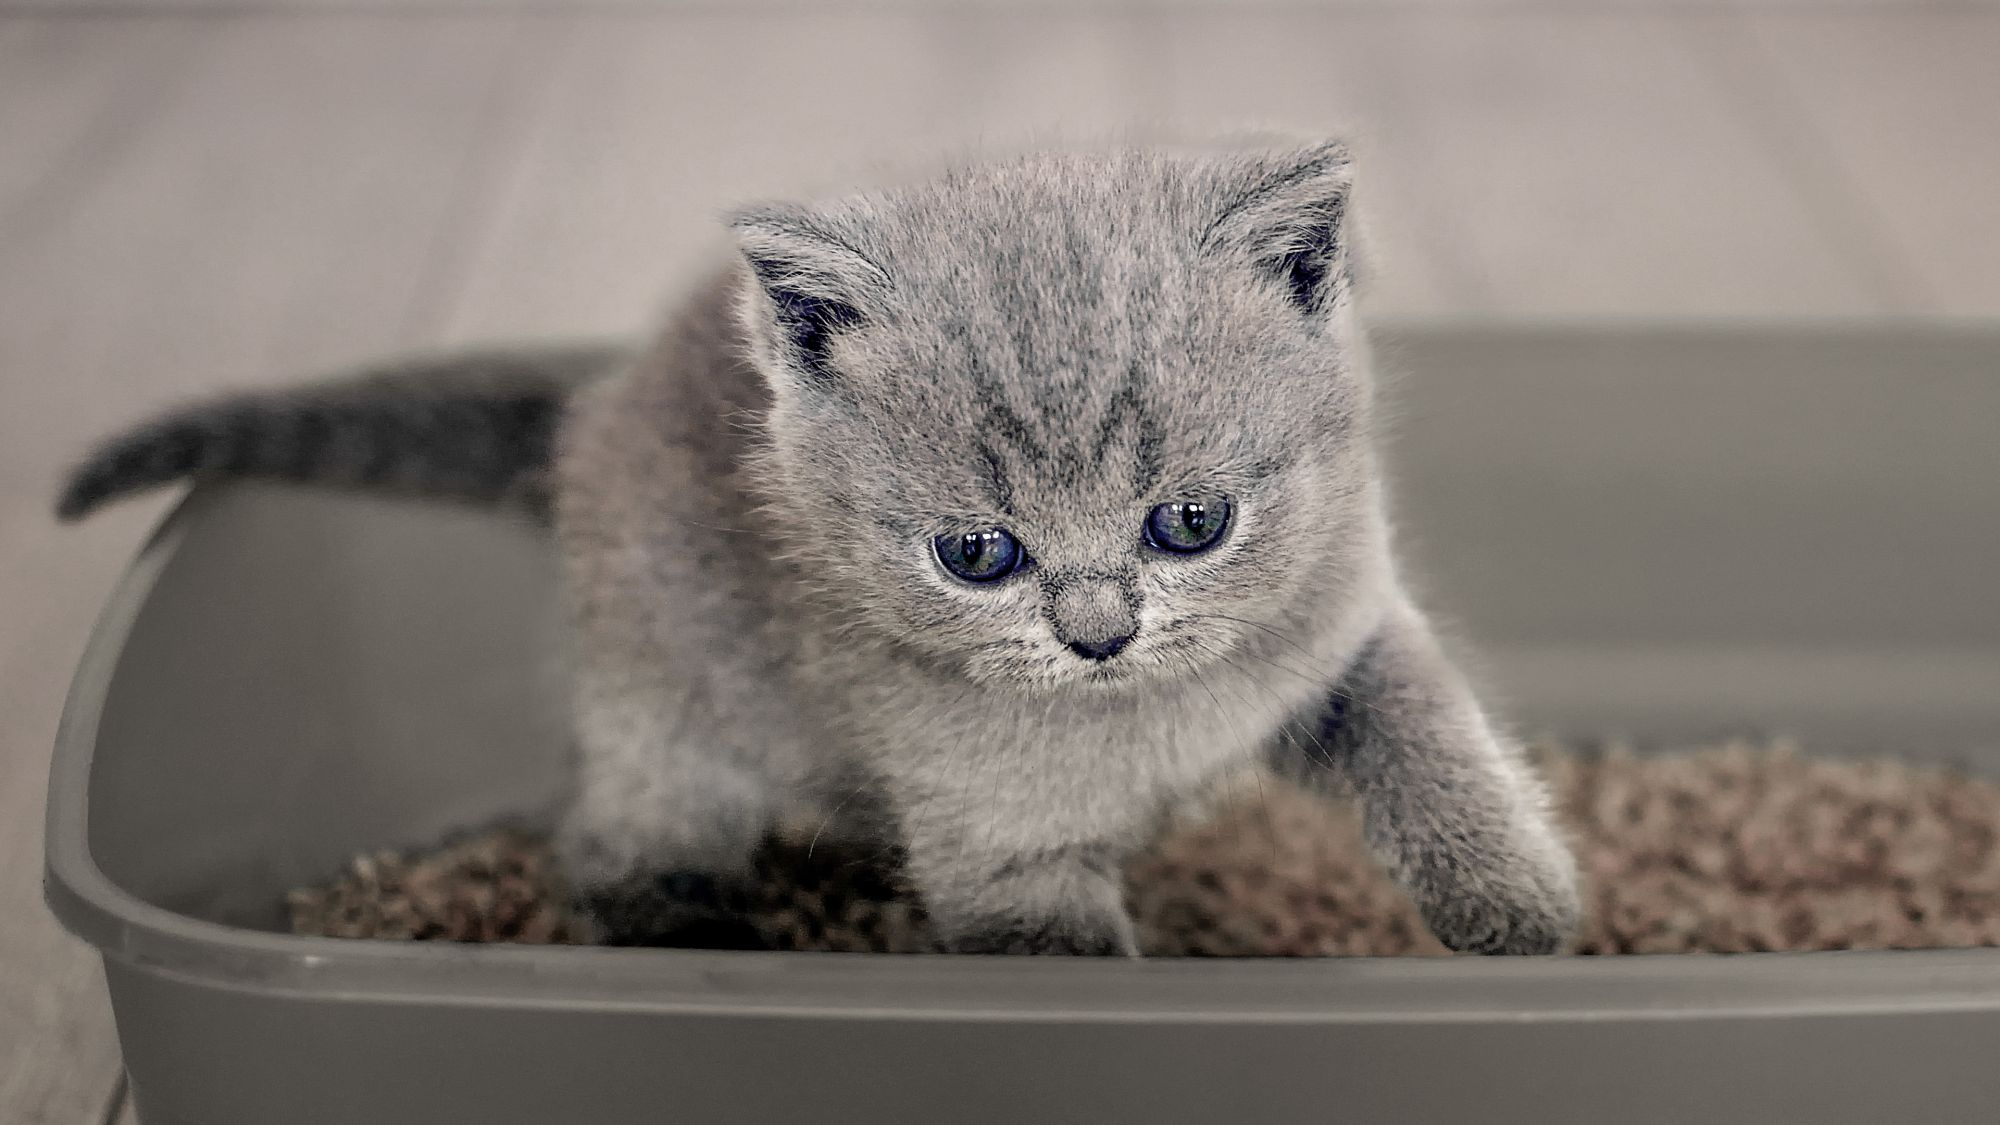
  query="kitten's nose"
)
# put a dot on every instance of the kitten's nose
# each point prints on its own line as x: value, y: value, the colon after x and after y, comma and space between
x: 1094, y: 615
x: 1100, y: 650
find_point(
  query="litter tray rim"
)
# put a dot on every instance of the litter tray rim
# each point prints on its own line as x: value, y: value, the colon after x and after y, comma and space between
x: 127, y: 930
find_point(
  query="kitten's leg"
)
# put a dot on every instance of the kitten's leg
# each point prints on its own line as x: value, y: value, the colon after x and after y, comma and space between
x: 1450, y: 809
x: 990, y: 890
x: 658, y: 840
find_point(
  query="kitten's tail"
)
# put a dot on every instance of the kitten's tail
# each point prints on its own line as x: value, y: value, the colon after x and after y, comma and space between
x: 477, y: 426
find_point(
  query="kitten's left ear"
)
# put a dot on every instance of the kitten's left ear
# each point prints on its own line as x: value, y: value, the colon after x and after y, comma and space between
x: 1289, y: 212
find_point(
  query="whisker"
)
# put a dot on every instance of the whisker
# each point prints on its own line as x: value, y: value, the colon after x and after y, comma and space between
x: 1326, y: 759
x: 828, y: 819
x: 1329, y: 761
x: 1331, y: 689
x: 1309, y: 677
x: 1302, y: 650
x: 719, y: 527
x: 1243, y: 748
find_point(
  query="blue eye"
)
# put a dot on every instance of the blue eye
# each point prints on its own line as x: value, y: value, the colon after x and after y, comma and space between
x: 980, y: 556
x: 1185, y: 527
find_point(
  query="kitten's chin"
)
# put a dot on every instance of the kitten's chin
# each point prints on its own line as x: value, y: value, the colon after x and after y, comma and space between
x: 1065, y: 674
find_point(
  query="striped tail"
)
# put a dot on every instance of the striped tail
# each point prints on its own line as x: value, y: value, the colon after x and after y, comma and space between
x: 474, y: 426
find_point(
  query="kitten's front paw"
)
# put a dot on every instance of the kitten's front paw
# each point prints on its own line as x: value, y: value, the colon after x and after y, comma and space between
x: 679, y: 909
x: 1532, y: 915
x: 1074, y: 936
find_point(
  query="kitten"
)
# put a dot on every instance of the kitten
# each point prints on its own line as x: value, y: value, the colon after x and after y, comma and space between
x: 1015, y: 506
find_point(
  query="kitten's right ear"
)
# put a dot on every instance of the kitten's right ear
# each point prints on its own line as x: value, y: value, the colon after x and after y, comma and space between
x: 812, y: 285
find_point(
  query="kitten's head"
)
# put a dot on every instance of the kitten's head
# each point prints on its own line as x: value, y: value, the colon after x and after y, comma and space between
x: 1071, y: 419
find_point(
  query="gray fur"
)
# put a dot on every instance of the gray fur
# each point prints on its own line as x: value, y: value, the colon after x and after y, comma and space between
x: 1448, y: 806
x: 473, y: 426
x: 1051, y: 344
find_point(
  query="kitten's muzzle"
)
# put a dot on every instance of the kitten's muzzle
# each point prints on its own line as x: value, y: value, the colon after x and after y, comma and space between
x: 1095, y: 615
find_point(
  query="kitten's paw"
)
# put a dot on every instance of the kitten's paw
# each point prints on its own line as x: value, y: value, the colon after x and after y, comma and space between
x: 678, y: 909
x: 1532, y: 916
x: 1076, y: 937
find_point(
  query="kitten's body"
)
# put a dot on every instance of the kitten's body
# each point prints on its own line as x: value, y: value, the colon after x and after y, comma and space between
x: 716, y: 690
x: 1054, y: 346
x: 750, y: 516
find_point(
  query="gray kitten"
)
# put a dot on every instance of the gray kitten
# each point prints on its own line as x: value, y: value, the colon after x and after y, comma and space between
x: 1013, y: 507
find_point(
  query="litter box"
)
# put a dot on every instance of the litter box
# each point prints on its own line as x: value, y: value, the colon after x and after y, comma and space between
x: 1662, y: 532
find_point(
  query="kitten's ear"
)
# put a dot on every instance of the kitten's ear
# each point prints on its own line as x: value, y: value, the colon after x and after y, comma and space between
x: 812, y: 285
x: 1289, y: 212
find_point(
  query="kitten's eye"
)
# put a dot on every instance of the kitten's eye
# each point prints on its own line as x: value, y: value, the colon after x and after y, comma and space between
x: 980, y: 556
x: 1187, y: 526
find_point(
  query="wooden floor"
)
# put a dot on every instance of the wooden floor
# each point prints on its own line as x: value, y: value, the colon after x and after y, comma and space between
x: 197, y: 196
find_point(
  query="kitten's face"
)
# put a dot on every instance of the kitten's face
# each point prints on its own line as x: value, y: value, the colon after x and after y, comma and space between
x: 1052, y: 430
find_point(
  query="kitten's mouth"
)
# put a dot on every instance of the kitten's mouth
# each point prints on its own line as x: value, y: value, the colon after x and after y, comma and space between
x: 1121, y: 671
x: 1124, y: 670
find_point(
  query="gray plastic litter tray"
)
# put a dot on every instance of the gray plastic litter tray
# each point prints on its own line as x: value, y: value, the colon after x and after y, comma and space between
x: 1669, y: 532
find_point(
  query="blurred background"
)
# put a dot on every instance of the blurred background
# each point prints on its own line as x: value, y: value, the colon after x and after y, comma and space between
x: 198, y: 195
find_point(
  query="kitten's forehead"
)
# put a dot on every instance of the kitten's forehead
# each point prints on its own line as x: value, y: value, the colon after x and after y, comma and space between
x: 1055, y: 331
x: 1079, y: 433
x: 1042, y: 236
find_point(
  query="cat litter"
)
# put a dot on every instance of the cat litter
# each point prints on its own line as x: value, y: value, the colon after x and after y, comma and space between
x: 1730, y: 849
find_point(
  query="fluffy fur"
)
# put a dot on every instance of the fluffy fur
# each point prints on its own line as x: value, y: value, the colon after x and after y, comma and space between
x: 1053, y: 345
